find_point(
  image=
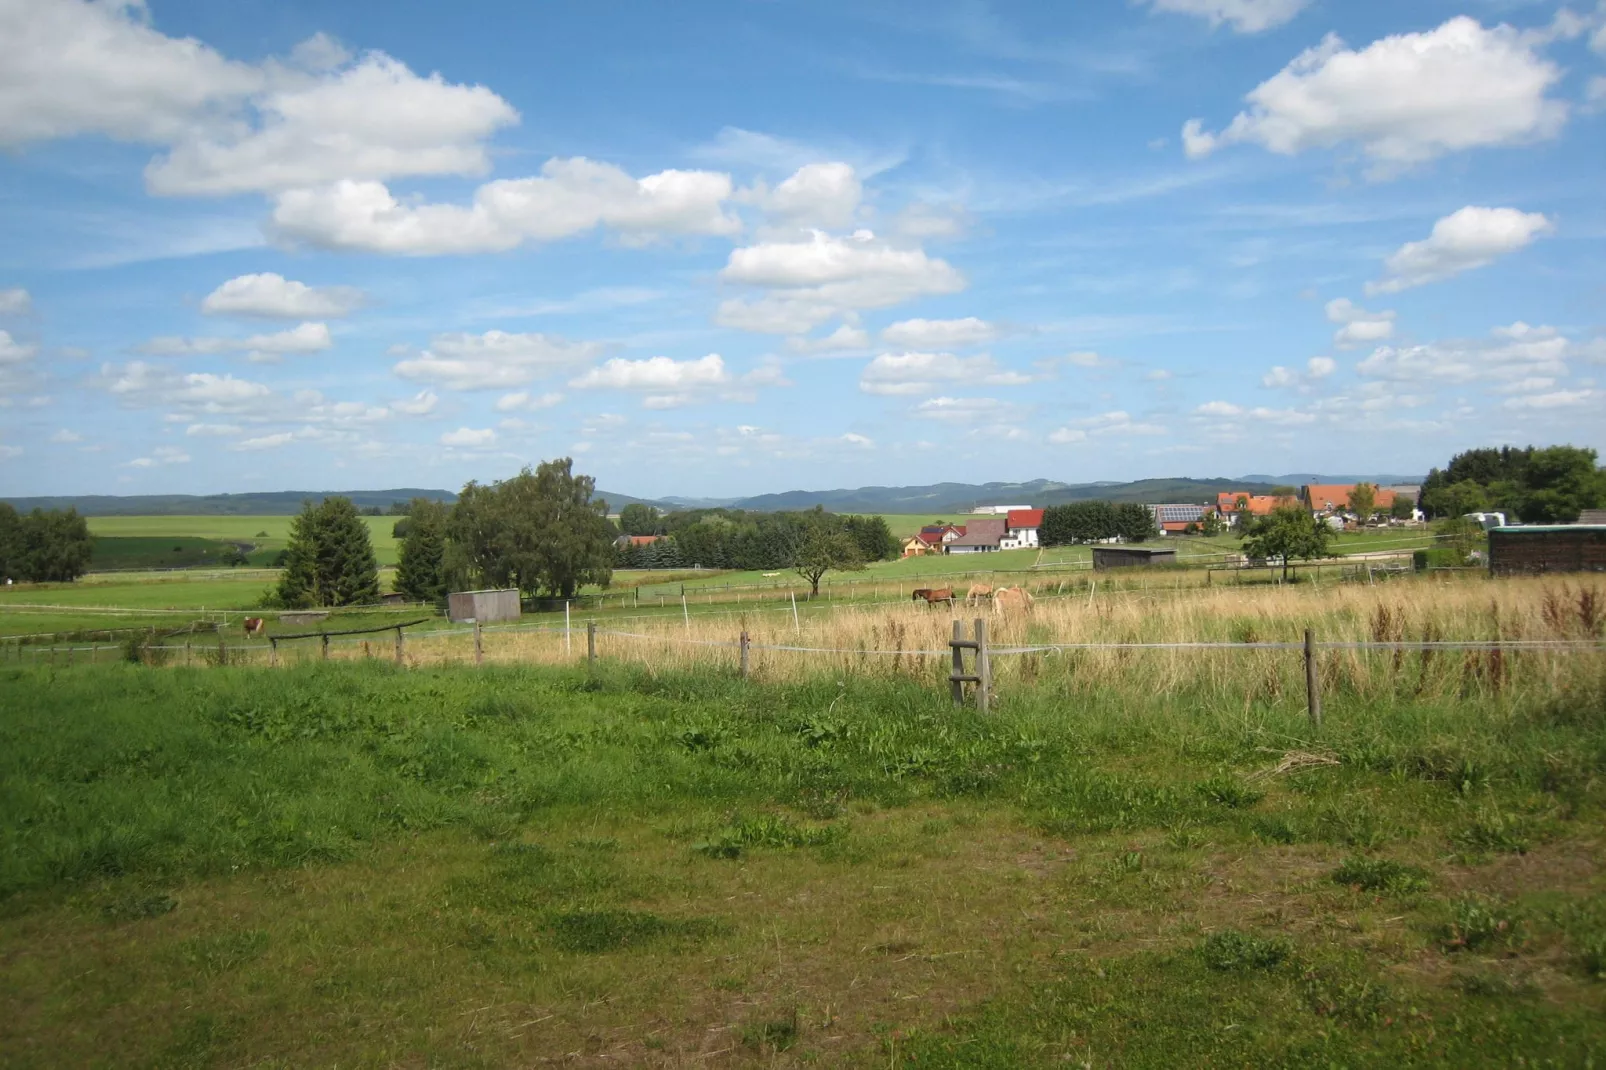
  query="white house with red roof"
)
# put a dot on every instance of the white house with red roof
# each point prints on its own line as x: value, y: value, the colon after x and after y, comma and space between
x: 1020, y: 529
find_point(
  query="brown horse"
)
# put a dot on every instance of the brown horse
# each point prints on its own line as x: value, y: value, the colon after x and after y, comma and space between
x: 933, y: 596
x: 978, y: 592
x: 1011, y: 599
x: 255, y: 626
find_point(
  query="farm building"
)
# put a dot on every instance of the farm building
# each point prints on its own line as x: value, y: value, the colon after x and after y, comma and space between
x: 1535, y: 549
x: 483, y: 606
x: 1106, y: 557
x: 1227, y: 504
x: 1175, y: 519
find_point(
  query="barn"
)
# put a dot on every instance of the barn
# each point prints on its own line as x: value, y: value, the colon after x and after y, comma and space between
x: 1540, y: 548
x: 1106, y: 557
x: 483, y: 606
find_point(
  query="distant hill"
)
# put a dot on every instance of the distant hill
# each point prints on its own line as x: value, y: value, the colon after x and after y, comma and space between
x: 960, y: 497
x: 264, y: 503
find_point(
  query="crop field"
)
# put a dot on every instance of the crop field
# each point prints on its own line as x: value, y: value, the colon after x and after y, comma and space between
x: 1139, y: 857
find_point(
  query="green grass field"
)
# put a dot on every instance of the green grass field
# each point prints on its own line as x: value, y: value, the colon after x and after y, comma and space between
x: 269, y: 534
x: 353, y: 864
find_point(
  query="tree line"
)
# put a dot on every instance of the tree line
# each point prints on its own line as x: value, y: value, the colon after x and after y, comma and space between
x: 43, y: 546
x: 1549, y: 485
x: 735, y: 539
x: 1096, y: 521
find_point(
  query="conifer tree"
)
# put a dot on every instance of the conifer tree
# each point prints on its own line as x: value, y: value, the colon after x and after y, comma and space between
x: 330, y: 559
x: 421, y: 565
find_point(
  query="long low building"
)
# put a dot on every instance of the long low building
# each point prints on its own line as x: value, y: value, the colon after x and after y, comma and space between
x: 1541, y: 548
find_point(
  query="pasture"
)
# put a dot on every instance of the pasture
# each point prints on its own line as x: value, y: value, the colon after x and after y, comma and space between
x: 268, y: 535
x: 1140, y: 857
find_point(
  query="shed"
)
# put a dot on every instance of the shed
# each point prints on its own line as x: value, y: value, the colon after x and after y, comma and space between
x: 1530, y: 550
x: 1105, y: 557
x: 483, y: 606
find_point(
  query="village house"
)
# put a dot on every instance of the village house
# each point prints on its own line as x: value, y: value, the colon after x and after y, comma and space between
x: 1020, y: 529
x: 931, y: 539
x: 625, y: 542
x: 1231, y: 505
x: 1333, y: 499
x: 1177, y: 519
x: 981, y: 536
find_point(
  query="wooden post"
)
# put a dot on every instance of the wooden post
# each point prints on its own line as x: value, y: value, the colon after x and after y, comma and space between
x: 1313, y: 688
x: 984, y: 669
x: 479, y: 645
x: 568, y: 641
x: 326, y: 646
x: 955, y: 685
x: 401, y: 655
x: 273, y: 651
x: 797, y: 625
x: 591, y: 645
x: 744, y: 642
x: 685, y: 610
x: 222, y: 650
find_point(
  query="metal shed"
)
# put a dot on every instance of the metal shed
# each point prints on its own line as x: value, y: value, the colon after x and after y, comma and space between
x: 483, y: 606
x: 1530, y: 550
x: 1105, y: 557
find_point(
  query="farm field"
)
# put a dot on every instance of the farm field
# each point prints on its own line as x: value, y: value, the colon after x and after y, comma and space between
x: 1139, y: 858
x: 269, y: 534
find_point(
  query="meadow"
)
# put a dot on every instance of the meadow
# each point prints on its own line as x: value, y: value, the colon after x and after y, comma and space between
x: 1140, y: 857
x: 145, y: 542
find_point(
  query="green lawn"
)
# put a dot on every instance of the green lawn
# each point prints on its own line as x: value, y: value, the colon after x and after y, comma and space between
x: 356, y: 865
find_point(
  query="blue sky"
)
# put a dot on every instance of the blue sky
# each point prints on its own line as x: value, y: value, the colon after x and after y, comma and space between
x: 737, y: 246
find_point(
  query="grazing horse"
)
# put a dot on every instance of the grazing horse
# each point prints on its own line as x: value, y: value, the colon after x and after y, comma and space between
x: 933, y: 596
x: 1009, y: 599
x: 255, y: 626
x: 976, y: 593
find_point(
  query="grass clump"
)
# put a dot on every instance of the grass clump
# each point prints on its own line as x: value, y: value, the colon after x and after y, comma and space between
x: 594, y: 932
x: 1492, y: 830
x: 136, y: 905
x: 1381, y: 875
x: 1229, y: 791
x: 1229, y: 950
x: 778, y: 1034
x: 766, y: 830
x: 1478, y: 923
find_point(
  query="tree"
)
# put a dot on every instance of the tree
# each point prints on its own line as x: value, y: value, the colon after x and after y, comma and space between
x: 10, y: 543
x: 1403, y: 508
x: 539, y: 531
x: 1287, y: 533
x: 330, y: 559
x: 48, y: 547
x: 421, y: 561
x: 823, y: 550
x: 1363, y: 501
x: 1560, y: 481
x: 639, y: 519
x: 1134, y: 522
x: 1212, y: 524
x: 1454, y: 499
x: 873, y: 537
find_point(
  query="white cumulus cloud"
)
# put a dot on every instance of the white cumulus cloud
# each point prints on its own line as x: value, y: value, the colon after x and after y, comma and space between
x: 15, y: 302
x: 569, y: 197
x: 273, y: 296
x: 662, y: 375
x: 919, y: 373
x: 1470, y: 238
x: 300, y: 340
x: 495, y: 360
x: 1358, y: 326
x: 469, y: 437
x: 816, y: 195
x: 1405, y: 99
x: 939, y: 334
x: 525, y: 401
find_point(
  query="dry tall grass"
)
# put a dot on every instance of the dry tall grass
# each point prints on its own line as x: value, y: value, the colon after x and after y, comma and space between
x: 911, y: 640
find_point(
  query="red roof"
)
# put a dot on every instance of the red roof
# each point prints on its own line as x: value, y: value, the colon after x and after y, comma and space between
x: 1025, y: 518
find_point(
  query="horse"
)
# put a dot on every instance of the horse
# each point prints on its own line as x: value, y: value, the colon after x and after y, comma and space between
x: 1009, y: 599
x: 255, y: 626
x: 933, y: 596
x: 976, y: 593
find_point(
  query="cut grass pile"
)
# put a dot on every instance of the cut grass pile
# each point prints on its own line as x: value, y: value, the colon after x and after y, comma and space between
x: 358, y: 864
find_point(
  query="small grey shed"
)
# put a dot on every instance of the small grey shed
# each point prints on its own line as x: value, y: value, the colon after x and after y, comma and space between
x: 483, y: 606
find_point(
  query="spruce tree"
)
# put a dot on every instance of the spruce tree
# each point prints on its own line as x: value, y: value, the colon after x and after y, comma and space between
x: 330, y: 559
x: 421, y: 564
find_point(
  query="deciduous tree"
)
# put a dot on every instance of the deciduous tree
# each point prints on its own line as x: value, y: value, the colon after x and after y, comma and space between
x: 823, y: 550
x: 1289, y: 532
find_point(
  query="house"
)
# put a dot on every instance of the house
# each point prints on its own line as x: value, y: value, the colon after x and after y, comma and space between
x: 1227, y: 505
x: 931, y: 539
x: 1487, y: 521
x: 1591, y: 516
x: 1326, y: 499
x: 1176, y: 519
x: 997, y: 510
x: 1020, y: 529
x: 1540, y: 548
x: 625, y: 542
x: 981, y: 536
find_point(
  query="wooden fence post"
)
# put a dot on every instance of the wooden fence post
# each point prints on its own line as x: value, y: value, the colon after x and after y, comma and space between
x: 479, y: 646
x: 273, y: 651
x: 955, y: 685
x: 744, y: 643
x: 1313, y: 687
x: 401, y: 655
x: 326, y: 646
x: 591, y: 645
x: 222, y: 650
x: 984, y: 669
